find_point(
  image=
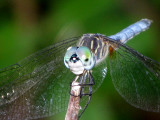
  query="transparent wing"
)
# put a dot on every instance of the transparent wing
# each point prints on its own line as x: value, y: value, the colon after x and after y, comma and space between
x: 37, y: 86
x: 99, y: 73
x: 136, y: 78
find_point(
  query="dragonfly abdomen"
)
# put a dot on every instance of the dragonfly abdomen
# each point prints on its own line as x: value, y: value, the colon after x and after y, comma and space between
x: 132, y: 30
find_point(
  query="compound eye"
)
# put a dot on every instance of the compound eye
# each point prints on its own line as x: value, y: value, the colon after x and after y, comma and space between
x: 69, y: 53
x: 86, y: 56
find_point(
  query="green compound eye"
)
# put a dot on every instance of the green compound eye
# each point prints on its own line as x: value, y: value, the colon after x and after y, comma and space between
x: 86, y: 56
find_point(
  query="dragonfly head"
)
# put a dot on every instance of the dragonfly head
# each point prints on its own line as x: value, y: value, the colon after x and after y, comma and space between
x: 78, y: 59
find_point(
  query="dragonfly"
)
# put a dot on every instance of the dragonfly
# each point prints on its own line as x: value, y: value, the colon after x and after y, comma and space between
x: 38, y: 86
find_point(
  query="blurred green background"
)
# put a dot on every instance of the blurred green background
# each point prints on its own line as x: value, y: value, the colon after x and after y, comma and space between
x: 30, y: 25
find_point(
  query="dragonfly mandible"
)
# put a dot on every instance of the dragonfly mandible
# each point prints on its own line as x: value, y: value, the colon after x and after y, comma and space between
x: 38, y: 86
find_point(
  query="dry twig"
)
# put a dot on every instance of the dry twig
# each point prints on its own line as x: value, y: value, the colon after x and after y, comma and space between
x: 74, y: 106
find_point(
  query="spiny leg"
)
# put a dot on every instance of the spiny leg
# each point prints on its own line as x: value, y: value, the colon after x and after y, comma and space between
x: 84, y: 84
x: 90, y: 84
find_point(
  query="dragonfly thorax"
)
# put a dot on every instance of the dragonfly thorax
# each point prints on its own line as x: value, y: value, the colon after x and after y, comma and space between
x: 97, y: 43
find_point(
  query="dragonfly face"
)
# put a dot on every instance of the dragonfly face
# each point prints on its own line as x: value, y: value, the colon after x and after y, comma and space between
x: 79, y: 59
x: 39, y: 85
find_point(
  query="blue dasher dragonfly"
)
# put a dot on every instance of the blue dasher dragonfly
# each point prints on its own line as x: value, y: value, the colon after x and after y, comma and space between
x: 38, y: 86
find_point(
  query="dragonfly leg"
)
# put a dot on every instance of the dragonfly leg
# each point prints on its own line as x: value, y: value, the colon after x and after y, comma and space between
x: 83, y: 83
x: 89, y: 99
x: 86, y: 82
x: 90, y: 84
